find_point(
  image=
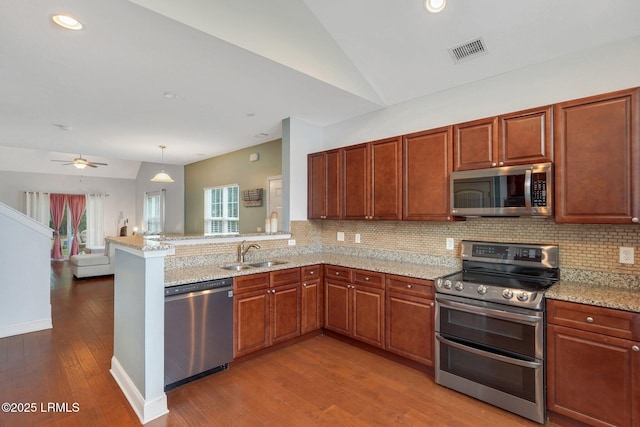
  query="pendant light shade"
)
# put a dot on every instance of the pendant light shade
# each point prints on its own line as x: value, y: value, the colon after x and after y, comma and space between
x: 162, y: 176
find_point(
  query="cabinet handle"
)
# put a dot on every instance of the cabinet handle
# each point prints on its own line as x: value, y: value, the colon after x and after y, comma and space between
x: 635, y: 220
x: 432, y: 304
x: 493, y: 165
x: 337, y: 273
x: 635, y: 348
x: 409, y: 286
x: 304, y: 284
x: 501, y: 164
x: 589, y: 319
x: 366, y: 278
x: 312, y: 273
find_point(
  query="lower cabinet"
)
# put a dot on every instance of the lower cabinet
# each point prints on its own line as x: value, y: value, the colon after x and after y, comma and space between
x: 354, y: 304
x: 312, y: 299
x: 593, y: 364
x: 267, y: 310
x: 410, y: 318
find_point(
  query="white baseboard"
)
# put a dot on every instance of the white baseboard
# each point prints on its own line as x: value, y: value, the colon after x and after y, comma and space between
x: 25, y: 327
x: 146, y: 410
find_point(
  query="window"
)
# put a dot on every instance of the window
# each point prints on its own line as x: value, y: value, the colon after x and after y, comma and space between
x: 154, y: 212
x: 222, y: 210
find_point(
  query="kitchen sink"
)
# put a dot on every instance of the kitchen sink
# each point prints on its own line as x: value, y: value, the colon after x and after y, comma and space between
x: 236, y: 267
x: 267, y: 263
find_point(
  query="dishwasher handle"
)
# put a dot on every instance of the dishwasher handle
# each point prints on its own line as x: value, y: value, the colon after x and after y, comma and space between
x: 175, y: 297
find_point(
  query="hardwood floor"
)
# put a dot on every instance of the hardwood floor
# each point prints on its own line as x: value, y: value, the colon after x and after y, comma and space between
x: 318, y: 382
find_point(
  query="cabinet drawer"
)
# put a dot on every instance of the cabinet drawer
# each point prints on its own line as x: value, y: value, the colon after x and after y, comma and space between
x: 410, y: 286
x: 337, y: 273
x: 607, y: 321
x: 368, y: 278
x: 285, y: 277
x: 310, y: 272
x: 251, y: 282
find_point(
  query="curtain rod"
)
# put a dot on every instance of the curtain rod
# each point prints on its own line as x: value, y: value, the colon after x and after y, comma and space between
x: 46, y: 192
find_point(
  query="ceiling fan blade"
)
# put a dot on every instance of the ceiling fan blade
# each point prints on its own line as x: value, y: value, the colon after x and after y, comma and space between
x: 98, y: 163
x: 60, y: 161
x: 91, y: 165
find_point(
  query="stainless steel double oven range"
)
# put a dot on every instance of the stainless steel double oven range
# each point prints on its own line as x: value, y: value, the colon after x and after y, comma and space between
x: 490, y: 325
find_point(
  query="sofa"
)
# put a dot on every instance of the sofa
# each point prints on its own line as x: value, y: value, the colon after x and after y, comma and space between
x: 91, y: 265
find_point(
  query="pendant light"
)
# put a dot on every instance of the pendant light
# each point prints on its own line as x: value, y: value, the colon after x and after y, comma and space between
x: 162, y: 176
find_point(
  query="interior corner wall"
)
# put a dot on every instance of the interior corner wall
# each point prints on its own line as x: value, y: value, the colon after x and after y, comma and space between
x: 174, y: 196
x: 228, y: 169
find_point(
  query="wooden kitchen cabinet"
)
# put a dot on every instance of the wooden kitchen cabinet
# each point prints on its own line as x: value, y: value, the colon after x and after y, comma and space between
x: 312, y: 305
x: 518, y: 138
x: 266, y: 310
x: 324, y: 200
x: 354, y: 304
x: 475, y: 144
x: 410, y: 318
x: 250, y: 313
x: 427, y: 163
x: 526, y: 137
x: 597, y: 159
x: 593, y: 364
x: 372, y: 184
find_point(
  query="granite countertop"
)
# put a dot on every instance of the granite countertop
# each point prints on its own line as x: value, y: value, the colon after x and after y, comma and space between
x: 621, y: 298
x: 179, y: 276
x: 141, y: 243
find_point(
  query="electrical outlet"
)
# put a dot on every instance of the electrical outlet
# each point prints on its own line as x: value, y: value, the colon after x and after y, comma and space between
x: 449, y: 243
x: 357, y: 239
x: 340, y: 236
x: 626, y: 255
x: 291, y: 242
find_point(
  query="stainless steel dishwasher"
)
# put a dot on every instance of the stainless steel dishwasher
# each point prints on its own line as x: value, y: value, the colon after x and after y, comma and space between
x: 198, y: 330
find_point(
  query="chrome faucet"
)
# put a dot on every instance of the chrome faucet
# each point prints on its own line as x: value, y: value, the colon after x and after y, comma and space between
x: 242, y: 251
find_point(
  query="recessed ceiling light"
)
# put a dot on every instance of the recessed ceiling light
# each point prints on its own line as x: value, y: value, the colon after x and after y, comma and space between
x: 67, y: 21
x: 435, y: 6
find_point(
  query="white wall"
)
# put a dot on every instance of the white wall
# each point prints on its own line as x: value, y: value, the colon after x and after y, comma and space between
x: 174, y: 196
x: 604, y: 69
x: 121, y: 193
x: 24, y: 277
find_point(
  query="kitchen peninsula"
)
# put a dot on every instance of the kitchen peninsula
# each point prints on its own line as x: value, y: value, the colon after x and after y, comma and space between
x: 141, y: 273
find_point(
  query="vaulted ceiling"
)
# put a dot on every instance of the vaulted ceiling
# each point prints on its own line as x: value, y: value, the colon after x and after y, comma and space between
x: 206, y: 77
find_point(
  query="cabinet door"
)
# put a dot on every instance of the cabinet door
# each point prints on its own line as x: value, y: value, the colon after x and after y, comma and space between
x: 357, y: 185
x: 285, y: 312
x: 476, y: 144
x: 526, y: 137
x: 316, y: 186
x: 593, y: 378
x: 251, y: 322
x: 597, y: 159
x: 337, y: 315
x: 409, y: 322
x: 428, y: 161
x: 386, y: 179
x: 311, y: 305
x: 368, y: 315
x: 324, y: 200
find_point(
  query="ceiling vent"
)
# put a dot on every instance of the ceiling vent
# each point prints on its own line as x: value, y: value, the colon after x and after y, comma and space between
x: 468, y: 50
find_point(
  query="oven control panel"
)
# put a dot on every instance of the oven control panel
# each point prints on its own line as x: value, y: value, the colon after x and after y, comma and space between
x: 536, y: 255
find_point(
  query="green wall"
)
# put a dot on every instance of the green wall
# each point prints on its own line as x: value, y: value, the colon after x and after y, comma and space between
x: 231, y: 168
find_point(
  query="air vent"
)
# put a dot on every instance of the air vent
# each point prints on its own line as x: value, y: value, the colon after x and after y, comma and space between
x: 468, y: 50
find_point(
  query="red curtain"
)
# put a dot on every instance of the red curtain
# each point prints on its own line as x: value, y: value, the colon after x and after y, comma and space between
x: 57, y: 202
x: 77, y: 202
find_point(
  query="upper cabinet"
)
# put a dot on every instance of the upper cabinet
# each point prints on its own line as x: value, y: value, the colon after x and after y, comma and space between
x: 511, y: 139
x: 475, y: 144
x: 598, y: 159
x: 373, y: 180
x: 324, y: 199
x: 428, y: 161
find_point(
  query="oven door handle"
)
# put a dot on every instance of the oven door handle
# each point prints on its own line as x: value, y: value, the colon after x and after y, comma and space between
x: 521, y: 318
x: 512, y: 361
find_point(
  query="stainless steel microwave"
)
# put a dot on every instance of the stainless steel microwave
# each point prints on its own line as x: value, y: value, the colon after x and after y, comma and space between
x: 525, y: 190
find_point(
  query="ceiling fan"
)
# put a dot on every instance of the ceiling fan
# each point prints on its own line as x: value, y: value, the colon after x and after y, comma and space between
x: 81, y: 163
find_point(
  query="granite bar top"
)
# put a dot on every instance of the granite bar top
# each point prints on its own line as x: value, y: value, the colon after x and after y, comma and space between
x: 179, y: 276
x: 621, y: 298
x: 140, y: 243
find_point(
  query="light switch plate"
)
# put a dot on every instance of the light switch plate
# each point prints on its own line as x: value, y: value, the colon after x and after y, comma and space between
x: 357, y: 238
x: 340, y: 236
